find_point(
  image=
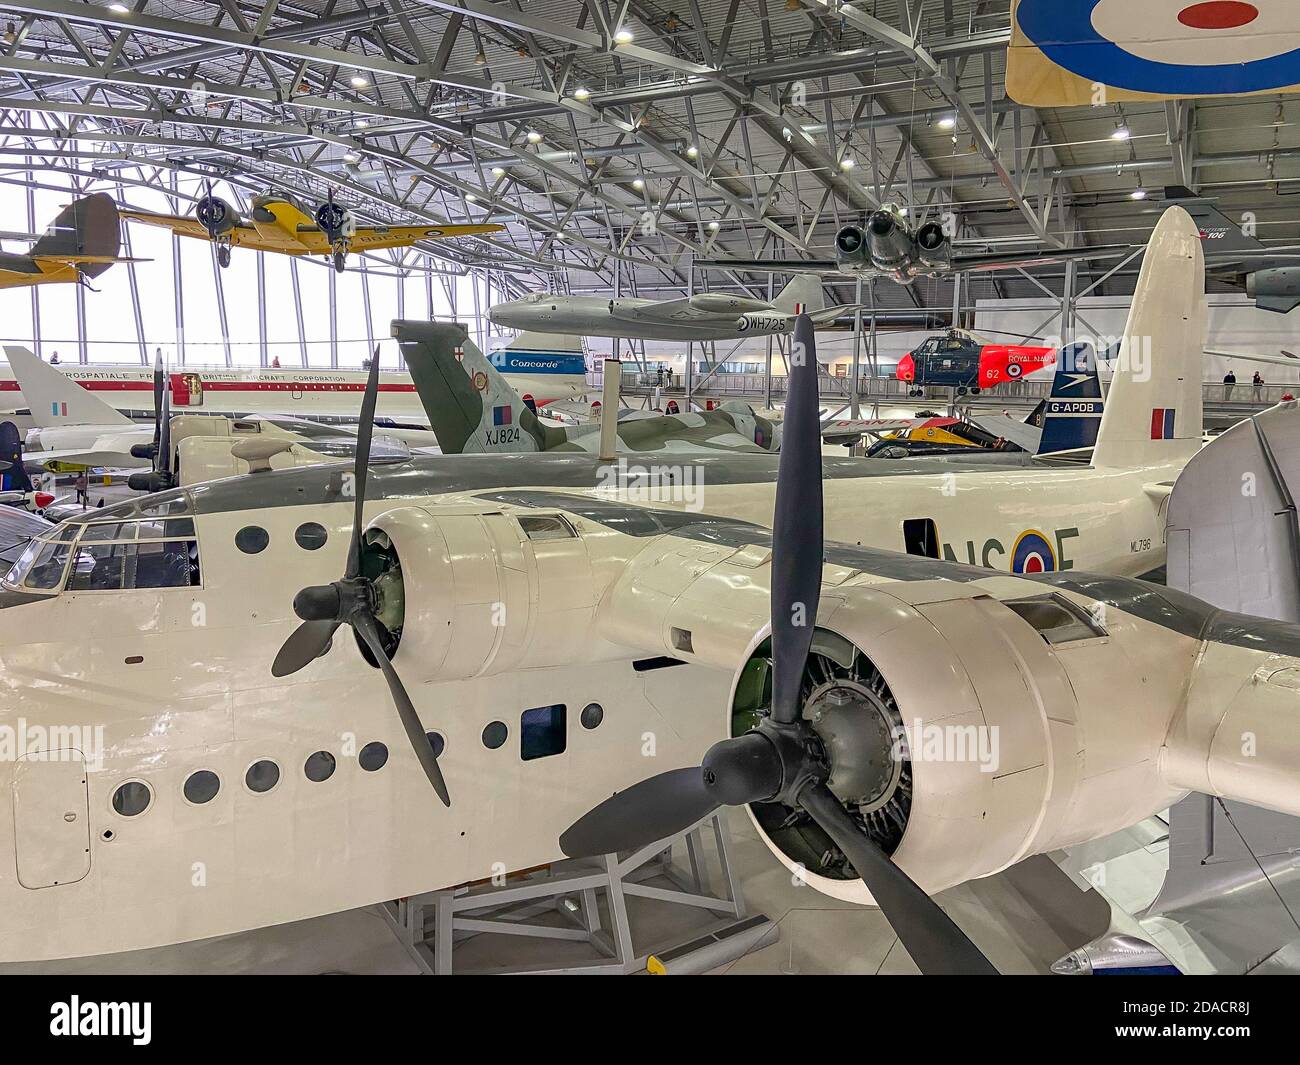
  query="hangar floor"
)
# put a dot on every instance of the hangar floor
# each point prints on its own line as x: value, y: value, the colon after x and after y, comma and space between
x: 1024, y: 919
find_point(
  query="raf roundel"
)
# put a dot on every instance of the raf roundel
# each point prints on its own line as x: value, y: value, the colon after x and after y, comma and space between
x: 1013, y: 370
x: 1171, y: 47
x: 1032, y: 554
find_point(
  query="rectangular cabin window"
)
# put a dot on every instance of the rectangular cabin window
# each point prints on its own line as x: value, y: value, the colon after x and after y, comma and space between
x: 546, y: 527
x: 921, y: 537
x: 126, y: 565
x: 541, y: 732
x: 1056, y: 619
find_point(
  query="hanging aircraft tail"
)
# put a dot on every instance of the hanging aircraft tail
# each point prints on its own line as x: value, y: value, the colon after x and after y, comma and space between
x: 543, y: 367
x: 1225, y: 235
x: 1153, y: 410
x: 87, y: 233
x: 54, y: 398
x: 1072, y: 413
x: 803, y: 295
x: 471, y: 407
x: 14, y: 478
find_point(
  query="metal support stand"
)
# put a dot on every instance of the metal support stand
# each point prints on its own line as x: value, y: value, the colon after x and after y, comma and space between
x: 583, y: 901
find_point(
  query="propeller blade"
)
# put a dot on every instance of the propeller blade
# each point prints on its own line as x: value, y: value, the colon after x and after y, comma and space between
x: 935, y: 943
x: 365, y: 624
x: 365, y: 430
x: 158, y: 384
x: 163, y: 459
x: 305, y: 644
x: 660, y: 806
x: 797, y: 528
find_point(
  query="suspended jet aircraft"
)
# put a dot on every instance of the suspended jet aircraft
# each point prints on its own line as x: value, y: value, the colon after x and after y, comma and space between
x: 279, y: 223
x: 531, y: 626
x: 704, y: 316
x: 80, y: 244
x: 888, y: 247
x: 1269, y: 275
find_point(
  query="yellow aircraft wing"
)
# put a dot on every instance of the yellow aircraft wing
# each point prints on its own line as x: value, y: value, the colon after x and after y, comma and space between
x: 371, y: 238
x: 242, y: 236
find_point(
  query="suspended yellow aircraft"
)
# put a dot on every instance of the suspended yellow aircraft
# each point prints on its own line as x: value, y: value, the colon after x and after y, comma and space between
x: 82, y: 242
x: 279, y: 223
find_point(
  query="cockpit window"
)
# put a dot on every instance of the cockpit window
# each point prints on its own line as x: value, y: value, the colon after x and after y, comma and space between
x: 48, y: 559
x: 112, y: 555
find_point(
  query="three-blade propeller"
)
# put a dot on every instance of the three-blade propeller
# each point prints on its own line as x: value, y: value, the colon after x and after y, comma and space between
x: 781, y: 759
x: 352, y: 601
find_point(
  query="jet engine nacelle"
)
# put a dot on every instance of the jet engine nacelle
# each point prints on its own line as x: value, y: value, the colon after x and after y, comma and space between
x: 851, y: 247
x: 764, y: 323
x: 933, y: 246
x: 335, y: 221
x: 215, y: 215
x: 483, y: 593
x: 1275, y: 290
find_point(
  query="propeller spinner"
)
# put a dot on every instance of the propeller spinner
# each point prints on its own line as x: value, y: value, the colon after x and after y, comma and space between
x: 354, y: 600
x: 783, y: 759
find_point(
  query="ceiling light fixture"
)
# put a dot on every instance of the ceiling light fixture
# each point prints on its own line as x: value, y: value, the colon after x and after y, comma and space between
x: 581, y: 93
x: 947, y: 122
x: 623, y: 37
x: 534, y: 137
x: 498, y: 171
x: 1138, y: 193
x: 1121, y: 133
x: 351, y: 157
x: 715, y: 224
x: 358, y: 82
x: 638, y: 184
x: 470, y: 198
x: 692, y: 152
x: 847, y: 163
x: 480, y: 59
x: 121, y: 9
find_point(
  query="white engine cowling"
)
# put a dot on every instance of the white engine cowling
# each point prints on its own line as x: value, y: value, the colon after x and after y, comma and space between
x: 482, y: 593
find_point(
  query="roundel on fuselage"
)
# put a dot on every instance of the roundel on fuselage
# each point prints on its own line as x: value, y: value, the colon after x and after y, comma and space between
x: 1032, y: 554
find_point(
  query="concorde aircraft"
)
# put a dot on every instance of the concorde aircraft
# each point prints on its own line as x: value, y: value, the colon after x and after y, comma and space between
x: 194, y: 748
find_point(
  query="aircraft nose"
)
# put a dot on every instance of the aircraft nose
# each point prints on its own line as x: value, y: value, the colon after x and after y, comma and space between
x: 906, y: 368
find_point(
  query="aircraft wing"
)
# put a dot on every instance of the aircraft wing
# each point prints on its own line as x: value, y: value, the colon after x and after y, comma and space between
x: 1284, y: 359
x: 1003, y: 260
x: 776, y: 266
x: 849, y: 428
x: 679, y: 311
x: 373, y: 238
x: 1026, y: 437
x: 104, y: 453
x: 181, y: 225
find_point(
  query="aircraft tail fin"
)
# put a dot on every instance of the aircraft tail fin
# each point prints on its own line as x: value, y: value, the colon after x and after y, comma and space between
x: 86, y: 232
x: 1072, y: 413
x: 1153, y: 412
x: 53, y: 397
x: 1225, y: 235
x: 553, y: 357
x: 471, y: 408
x: 803, y: 295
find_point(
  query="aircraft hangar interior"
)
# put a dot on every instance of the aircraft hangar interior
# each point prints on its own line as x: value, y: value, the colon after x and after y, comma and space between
x: 649, y: 486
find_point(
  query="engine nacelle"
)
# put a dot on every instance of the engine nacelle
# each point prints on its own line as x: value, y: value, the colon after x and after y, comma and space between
x: 216, y: 216
x: 1275, y: 290
x: 955, y: 763
x: 889, y: 243
x: 481, y: 593
x: 764, y: 323
x: 933, y: 246
x: 335, y: 221
x: 851, y: 246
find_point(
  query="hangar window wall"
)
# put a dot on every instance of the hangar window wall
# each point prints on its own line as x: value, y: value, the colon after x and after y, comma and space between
x: 263, y: 307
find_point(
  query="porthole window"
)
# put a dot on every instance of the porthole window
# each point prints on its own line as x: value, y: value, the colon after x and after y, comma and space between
x: 494, y: 735
x: 319, y: 766
x: 436, y: 742
x: 132, y: 798
x: 592, y: 715
x: 310, y: 536
x: 373, y: 756
x: 251, y: 539
x: 262, y: 776
x: 202, y: 786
